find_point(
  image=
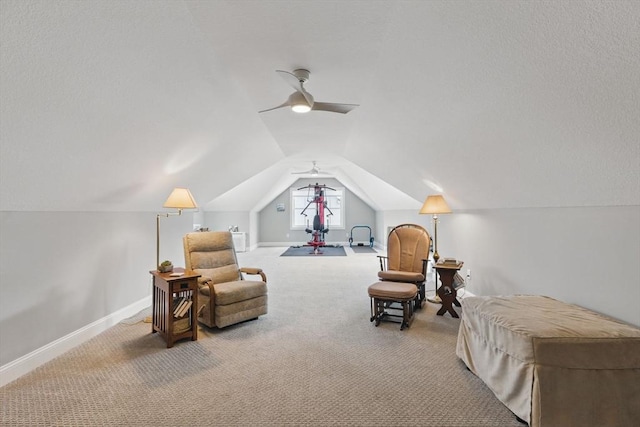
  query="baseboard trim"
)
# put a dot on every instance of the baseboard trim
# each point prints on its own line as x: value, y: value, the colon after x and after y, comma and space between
x: 27, y: 363
x: 274, y: 244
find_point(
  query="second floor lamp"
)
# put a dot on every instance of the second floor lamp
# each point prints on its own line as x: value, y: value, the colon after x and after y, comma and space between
x: 435, y: 205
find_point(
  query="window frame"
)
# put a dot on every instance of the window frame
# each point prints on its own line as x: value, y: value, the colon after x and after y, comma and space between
x: 338, y: 193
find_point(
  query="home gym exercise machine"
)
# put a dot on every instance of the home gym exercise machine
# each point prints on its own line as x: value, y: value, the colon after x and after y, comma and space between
x: 319, y: 229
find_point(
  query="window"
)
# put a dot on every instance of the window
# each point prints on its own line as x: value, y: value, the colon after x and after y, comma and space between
x: 304, y: 201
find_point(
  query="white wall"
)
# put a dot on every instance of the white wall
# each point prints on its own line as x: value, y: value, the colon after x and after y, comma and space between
x: 61, y: 271
x: 221, y: 221
x: 588, y: 256
x: 387, y: 219
x: 253, y: 229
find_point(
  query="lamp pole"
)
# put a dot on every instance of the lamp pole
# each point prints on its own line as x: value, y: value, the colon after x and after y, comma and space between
x: 166, y: 215
x: 436, y: 255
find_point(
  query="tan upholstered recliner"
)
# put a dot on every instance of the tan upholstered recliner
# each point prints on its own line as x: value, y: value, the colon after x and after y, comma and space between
x: 408, y: 248
x: 225, y: 298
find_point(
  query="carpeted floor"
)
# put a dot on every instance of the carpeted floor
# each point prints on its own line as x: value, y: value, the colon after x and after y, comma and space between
x: 308, y: 251
x: 313, y: 360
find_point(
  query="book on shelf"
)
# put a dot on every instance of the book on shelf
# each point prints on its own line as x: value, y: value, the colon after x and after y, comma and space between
x: 177, y: 304
x: 185, y: 308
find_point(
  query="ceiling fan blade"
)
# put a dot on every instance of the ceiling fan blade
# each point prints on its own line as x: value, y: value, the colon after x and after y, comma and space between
x: 333, y: 108
x: 291, y: 80
x: 286, y: 104
x: 308, y: 97
x: 312, y: 172
x: 315, y: 171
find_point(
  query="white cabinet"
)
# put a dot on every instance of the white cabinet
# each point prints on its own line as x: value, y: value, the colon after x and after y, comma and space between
x: 239, y: 241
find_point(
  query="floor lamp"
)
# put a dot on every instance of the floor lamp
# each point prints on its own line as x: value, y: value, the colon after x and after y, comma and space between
x: 180, y: 198
x: 435, y: 205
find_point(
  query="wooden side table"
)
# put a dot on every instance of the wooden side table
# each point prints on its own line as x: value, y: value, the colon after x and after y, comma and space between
x: 168, y: 293
x: 446, y: 291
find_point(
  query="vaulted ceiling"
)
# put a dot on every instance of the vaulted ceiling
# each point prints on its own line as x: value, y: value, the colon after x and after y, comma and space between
x: 109, y: 105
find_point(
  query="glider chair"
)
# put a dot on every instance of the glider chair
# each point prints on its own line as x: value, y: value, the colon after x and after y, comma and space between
x: 225, y: 297
x: 407, y: 257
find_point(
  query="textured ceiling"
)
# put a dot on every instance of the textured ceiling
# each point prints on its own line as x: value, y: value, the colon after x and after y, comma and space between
x: 108, y: 105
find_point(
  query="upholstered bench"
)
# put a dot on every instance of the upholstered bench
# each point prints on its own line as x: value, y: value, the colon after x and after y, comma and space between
x: 384, y: 294
x: 551, y: 363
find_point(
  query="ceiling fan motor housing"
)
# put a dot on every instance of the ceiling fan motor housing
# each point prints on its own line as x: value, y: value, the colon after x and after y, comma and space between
x: 301, y: 74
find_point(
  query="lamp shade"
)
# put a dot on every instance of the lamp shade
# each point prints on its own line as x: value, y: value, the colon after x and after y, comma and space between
x: 180, y: 198
x: 435, y: 205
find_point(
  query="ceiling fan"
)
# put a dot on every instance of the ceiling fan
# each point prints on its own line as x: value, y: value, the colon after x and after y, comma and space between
x: 301, y: 101
x: 315, y: 171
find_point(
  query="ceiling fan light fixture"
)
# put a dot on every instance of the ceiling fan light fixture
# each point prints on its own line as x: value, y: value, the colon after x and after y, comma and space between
x: 301, y: 108
x: 298, y: 103
x: 302, y: 101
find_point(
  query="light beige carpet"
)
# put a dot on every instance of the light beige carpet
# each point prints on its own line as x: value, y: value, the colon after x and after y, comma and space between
x: 313, y: 360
